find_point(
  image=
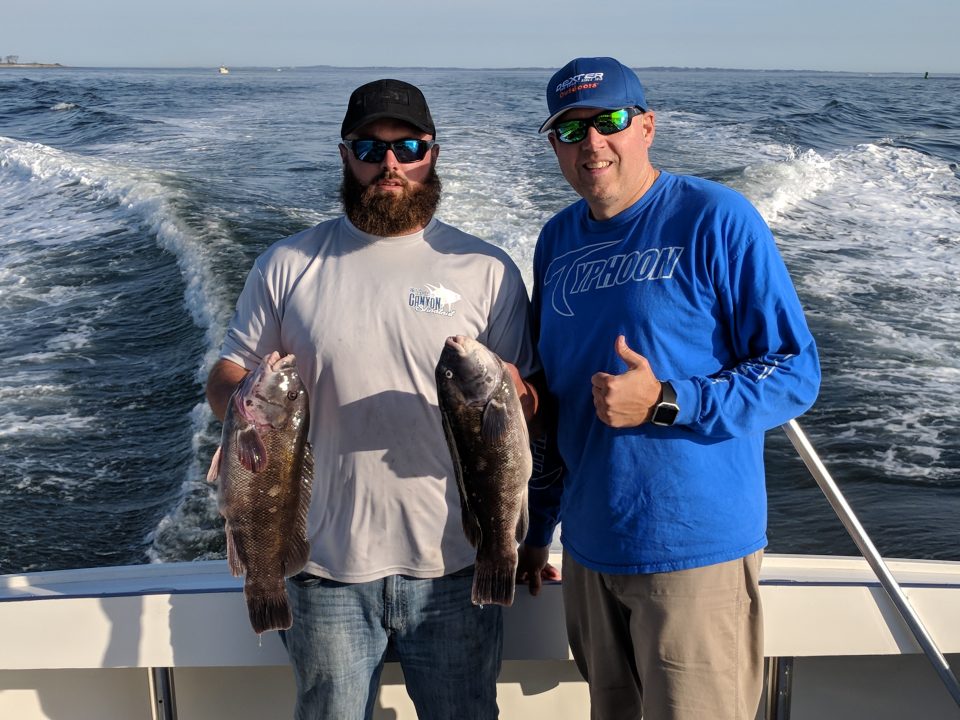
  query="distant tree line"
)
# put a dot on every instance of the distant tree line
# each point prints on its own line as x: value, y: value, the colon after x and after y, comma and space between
x: 11, y: 59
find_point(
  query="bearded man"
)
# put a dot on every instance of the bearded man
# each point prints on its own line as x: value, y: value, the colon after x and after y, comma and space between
x: 365, y: 302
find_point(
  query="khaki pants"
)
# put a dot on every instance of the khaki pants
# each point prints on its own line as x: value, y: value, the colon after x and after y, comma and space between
x: 684, y: 645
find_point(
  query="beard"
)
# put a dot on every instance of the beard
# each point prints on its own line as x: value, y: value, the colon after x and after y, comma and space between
x: 389, y: 214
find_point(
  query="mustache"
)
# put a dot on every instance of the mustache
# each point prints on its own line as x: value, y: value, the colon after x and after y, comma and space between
x: 390, y: 175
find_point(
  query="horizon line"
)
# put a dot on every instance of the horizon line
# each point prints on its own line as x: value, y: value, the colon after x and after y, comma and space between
x: 683, y: 68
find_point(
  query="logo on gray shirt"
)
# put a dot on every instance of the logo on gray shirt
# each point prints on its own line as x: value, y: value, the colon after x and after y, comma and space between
x: 434, y: 299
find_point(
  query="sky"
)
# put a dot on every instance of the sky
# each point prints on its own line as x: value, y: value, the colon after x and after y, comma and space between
x: 843, y: 35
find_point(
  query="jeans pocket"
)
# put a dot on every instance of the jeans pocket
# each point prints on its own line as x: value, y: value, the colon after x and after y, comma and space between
x: 306, y: 580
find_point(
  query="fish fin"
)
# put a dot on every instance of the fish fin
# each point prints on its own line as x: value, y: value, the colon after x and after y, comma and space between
x: 471, y: 527
x: 298, y: 550
x: 523, y: 522
x: 496, y: 422
x: 214, y: 472
x: 251, y: 452
x: 296, y: 556
x: 268, y: 609
x: 236, y: 559
x: 494, y: 582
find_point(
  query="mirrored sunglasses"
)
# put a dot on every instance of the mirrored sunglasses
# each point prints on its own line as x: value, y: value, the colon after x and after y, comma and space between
x: 607, y: 122
x: 373, y: 151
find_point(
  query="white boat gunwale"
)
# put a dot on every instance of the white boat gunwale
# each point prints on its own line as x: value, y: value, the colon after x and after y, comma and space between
x: 185, y: 624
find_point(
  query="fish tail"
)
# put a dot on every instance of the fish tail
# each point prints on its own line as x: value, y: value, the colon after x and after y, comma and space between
x: 494, y: 582
x: 269, y: 609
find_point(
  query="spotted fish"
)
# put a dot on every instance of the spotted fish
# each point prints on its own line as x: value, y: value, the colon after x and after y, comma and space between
x: 264, y: 472
x: 487, y: 436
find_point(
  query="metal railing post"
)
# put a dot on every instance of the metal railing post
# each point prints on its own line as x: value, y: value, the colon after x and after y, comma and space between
x: 779, y: 688
x: 860, y: 537
x: 162, y: 697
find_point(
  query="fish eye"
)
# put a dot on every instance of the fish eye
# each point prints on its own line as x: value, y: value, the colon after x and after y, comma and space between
x: 293, y: 395
x: 448, y: 374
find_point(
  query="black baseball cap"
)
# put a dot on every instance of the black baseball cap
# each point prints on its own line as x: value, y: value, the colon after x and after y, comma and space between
x: 387, y: 99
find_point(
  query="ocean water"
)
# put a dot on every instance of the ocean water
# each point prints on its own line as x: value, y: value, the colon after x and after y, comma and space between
x: 133, y: 202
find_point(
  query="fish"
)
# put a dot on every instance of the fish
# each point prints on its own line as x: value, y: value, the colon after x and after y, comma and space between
x: 263, y: 469
x: 445, y: 296
x: 489, y: 444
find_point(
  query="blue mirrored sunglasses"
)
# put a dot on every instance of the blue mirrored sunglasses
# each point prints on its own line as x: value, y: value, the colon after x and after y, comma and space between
x: 373, y: 151
x: 607, y: 122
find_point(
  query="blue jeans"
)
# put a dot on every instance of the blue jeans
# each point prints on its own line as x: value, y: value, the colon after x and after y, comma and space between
x: 448, y: 648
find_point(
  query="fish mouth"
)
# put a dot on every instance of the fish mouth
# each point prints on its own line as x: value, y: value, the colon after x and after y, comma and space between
x: 458, y: 343
x: 276, y: 362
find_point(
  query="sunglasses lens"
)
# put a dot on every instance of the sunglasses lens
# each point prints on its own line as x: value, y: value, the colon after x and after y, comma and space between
x: 571, y: 131
x: 371, y: 151
x: 612, y: 122
x: 408, y: 151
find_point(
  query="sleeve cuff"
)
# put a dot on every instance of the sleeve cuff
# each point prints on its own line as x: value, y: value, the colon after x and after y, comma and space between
x: 540, y: 532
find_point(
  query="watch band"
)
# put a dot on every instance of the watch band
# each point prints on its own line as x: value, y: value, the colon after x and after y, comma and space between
x: 668, y: 394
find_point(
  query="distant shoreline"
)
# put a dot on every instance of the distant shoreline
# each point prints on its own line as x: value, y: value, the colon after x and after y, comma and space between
x: 642, y: 69
x: 31, y: 65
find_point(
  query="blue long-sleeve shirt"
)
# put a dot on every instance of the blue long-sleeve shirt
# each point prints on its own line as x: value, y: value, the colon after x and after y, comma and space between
x: 691, y: 276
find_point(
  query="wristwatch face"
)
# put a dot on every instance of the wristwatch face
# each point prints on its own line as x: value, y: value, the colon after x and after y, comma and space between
x: 665, y: 414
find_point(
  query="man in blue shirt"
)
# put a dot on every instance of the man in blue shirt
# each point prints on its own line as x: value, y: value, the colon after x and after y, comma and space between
x: 671, y: 339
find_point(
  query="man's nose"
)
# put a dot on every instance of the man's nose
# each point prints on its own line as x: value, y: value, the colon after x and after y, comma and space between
x: 389, y: 161
x: 593, y: 137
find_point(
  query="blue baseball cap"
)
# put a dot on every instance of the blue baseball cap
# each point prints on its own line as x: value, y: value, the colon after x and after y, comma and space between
x: 599, y: 82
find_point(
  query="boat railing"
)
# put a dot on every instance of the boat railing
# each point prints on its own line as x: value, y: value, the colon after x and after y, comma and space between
x: 780, y: 676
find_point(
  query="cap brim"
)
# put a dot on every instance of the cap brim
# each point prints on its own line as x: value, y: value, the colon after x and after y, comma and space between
x: 582, y: 104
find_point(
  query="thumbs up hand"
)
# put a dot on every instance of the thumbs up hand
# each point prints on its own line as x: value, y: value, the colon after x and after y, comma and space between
x: 626, y: 400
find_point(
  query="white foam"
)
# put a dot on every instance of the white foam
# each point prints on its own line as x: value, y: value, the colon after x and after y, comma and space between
x: 180, y: 526
x: 870, y: 235
x: 139, y: 194
x: 875, y: 186
x: 880, y: 220
x: 58, y: 482
x: 778, y: 187
x: 14, y: 391
x: 491, y: 191
x: 13, y: 424
x: 699, y: 144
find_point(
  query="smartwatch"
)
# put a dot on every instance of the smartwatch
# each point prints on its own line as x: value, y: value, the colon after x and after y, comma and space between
x: 665, y: 412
